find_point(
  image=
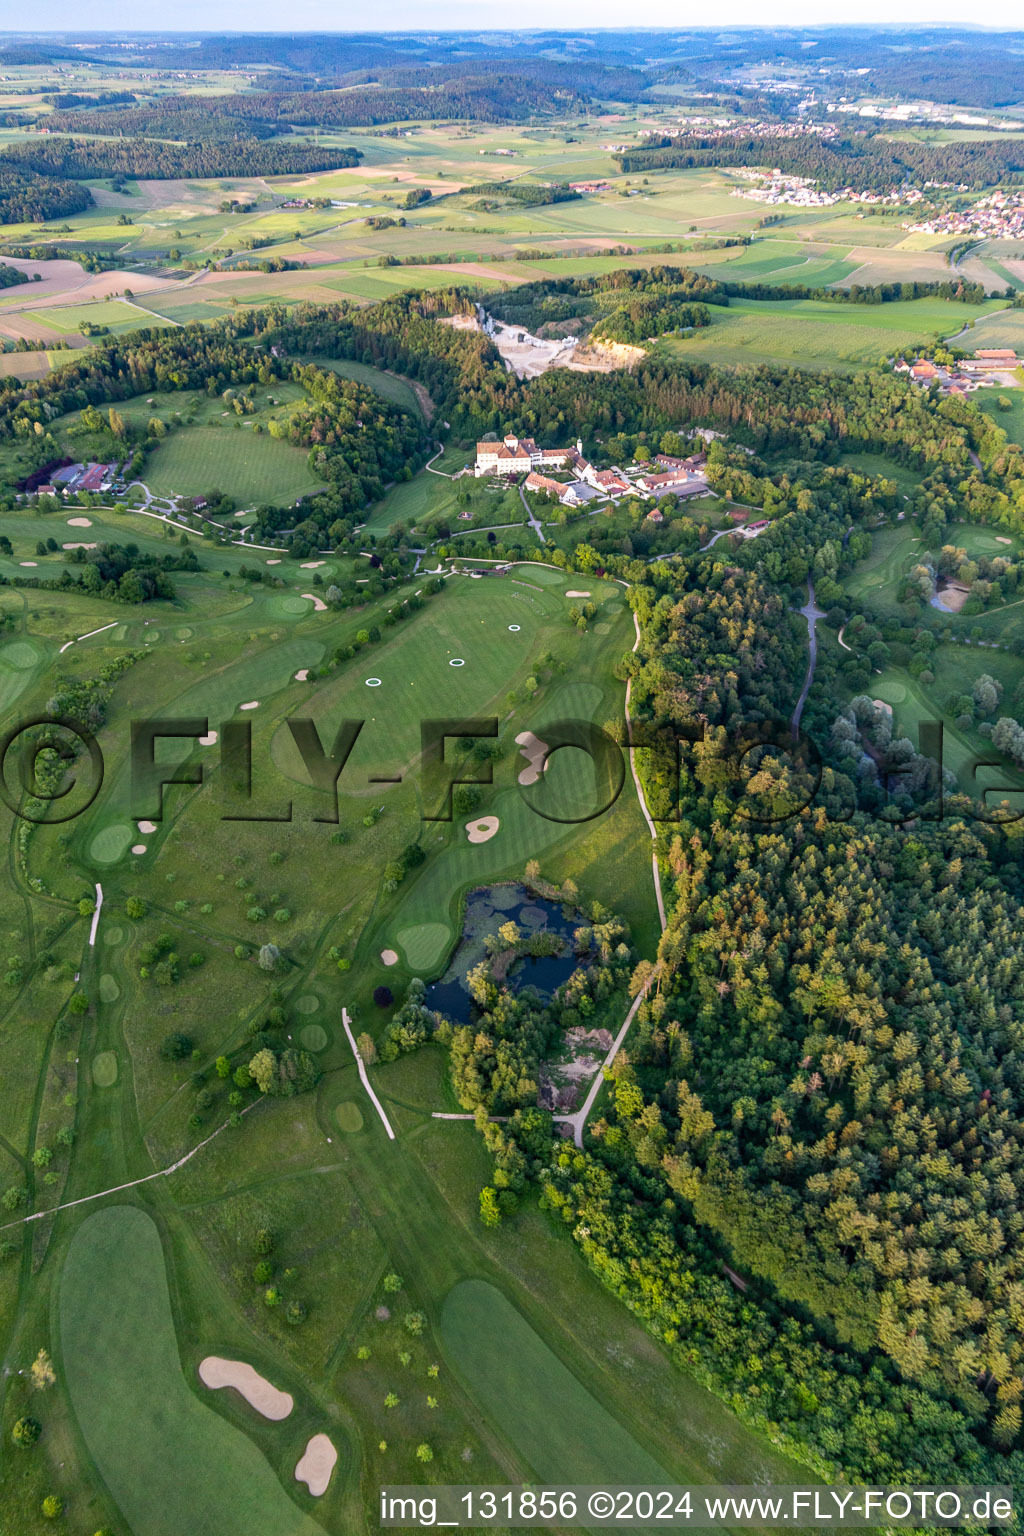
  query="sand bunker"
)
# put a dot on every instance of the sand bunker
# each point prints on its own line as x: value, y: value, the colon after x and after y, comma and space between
x: 951, y: 598
x: 311, y: 565
x: 273, y: 562
x: 484, y: 828
x: 577, y: 594
x: 78, y: 546
x: 302, y: 674
x: 318, y: 603
x: 1001, y: 539
x: 256, y: 1389
x: 147, y: 826
x: 389, y: 956
x: 252, y: 704
x: 85, y: 522
x: 535, y: 751
x: 317, y: 1463
x: 209, y: 740
x: 138, y: 848
x: 27, y: 562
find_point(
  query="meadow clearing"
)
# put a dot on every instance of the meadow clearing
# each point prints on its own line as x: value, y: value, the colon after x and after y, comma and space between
x: 813, y: 333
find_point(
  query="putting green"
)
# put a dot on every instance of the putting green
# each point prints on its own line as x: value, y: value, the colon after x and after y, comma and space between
x: 349, y: 1117
x: 113, y: 934
x: 309, y: 1003
x: 288, y: 607
x: 151, y: 635
x: 20, y: 654
x: 171, y: 1462
x: 424, y: 944
x: 184, y: 633
x: 314, y: 1037
x: 104, y: 1069
x: 111, y: 843
x: 541, y: 575
x: 890, y: 691
x: 109, y: 989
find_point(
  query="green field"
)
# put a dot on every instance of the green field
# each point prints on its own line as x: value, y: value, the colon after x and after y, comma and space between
x: 398, y: 390
x: 199, y: 459
x: 814, y: 333
x: 516, y: 1378
x: 1011, y: 421
x: 171, y: 1462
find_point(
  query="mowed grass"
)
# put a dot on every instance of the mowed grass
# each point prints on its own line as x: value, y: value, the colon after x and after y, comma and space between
x: 469, y: 623
x: 1011, y: 421
x: 874, y: 579
x: 1005, y: 329
x: 962, y: 751
x: 171, y: 1463
x: 196, y: 460
x: 115, y: 315
x: 556, y: 1425
x: 815, y: 333
x: 399, y: 391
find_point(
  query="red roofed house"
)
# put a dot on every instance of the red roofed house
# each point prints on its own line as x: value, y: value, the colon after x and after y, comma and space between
x: 535, y: 482
x: 611, y: 481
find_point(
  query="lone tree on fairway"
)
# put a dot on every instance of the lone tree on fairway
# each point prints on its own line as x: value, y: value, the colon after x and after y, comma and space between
x: 383, y: 997
x: 26, y: 1432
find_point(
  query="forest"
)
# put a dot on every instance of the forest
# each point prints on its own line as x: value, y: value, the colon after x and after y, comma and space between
x: 48, y: 160
x: 871, y: 164
x: 27, y: 197
x: 498, y: 97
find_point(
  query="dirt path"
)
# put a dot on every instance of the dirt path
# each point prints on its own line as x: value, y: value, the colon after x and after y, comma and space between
x: 96, y: 915
x: 364, y: 1079
x: 812, y: 613
x: 100, y: 1194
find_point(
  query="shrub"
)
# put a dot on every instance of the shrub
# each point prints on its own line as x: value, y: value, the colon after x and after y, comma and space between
x: 135, y: 907
x: 175, y: 1047
x: 52, y: 1506
x: 383, y: 997
x: 263, y: 1240
x: 295, y: 1313
x: 26, y: 1432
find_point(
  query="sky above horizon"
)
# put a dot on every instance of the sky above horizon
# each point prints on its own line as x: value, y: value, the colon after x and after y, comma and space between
x: 482, y: 15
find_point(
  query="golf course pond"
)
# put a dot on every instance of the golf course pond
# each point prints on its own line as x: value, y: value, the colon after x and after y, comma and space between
x: 486, y: 909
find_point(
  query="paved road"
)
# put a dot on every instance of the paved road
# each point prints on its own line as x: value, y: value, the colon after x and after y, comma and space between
x: 534, y: 524
x: 812, y: 613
